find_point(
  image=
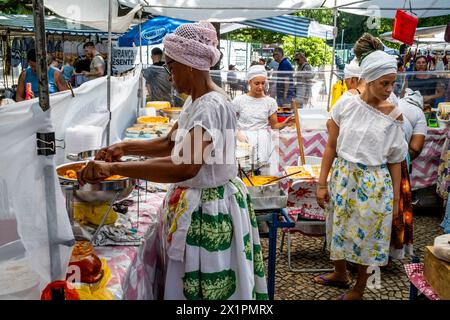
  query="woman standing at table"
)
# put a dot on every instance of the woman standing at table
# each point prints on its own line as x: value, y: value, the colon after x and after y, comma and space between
x: 366, y: 135
x: 255, y: 113
x: 415, y: 127
x: 210, y: 236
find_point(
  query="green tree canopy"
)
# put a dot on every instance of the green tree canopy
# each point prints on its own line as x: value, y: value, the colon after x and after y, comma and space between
x: 15, y: 6
x: 315, y: 49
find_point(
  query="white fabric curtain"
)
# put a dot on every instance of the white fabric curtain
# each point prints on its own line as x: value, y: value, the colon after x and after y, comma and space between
x: 89, y: 107
x: 24, y: 199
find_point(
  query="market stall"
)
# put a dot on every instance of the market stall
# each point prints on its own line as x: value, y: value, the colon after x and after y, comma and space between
x: 119, y: 258
x: 424, y: 168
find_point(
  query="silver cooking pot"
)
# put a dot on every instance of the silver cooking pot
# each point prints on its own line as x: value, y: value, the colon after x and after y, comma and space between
x: 104, y: 191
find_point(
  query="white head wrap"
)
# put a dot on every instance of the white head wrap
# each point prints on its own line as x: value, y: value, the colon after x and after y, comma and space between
x: 194, y: 45
x: 256, y: 71
x: 352, y: 70
x: 413, y: 98
x: 377, y: 64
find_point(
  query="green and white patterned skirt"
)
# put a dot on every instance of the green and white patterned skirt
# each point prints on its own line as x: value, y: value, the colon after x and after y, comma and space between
x: 212, y: 244
x: 359, y: 214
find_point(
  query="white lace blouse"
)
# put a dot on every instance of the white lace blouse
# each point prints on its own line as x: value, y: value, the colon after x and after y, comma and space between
x: 366, y: 135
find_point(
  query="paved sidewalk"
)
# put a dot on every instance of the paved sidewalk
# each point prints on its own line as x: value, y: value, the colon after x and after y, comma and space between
x: 306, y: 253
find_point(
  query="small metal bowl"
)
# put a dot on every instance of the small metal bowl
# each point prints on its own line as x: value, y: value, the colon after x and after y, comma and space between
x: 171, y: 113
x: 104, y: 191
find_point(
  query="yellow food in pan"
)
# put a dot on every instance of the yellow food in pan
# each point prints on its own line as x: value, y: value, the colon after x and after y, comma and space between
x: 258, y: 180
x: 72, y: 174
x: 152, y: 119
x: 303, y: 174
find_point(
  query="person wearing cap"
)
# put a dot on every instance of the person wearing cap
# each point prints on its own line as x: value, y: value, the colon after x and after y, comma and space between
x: 356, y: 85
x: 256, y: 113
x: 209, y: 234
x: 56, y: 80
x: 352, y: 78
x: 364, y: 152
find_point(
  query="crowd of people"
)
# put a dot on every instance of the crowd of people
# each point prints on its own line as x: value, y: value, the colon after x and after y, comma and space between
x: 61, y: 74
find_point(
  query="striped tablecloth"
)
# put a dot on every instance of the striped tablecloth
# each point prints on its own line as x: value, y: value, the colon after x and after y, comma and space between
x: 314, y: 143
x: 425, y: 168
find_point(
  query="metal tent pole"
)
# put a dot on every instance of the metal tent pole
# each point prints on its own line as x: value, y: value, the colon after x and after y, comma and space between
x: 334, y: 52
x: 49, y: 173
x: 141, y: 87
x: 108, y: 84
x: 41, y: 53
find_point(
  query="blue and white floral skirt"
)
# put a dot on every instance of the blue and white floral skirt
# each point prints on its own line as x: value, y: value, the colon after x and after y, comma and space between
x: 359, y: 213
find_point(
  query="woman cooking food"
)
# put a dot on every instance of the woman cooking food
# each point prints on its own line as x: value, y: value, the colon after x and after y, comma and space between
x: 255, y: 112
x: 210, y: 236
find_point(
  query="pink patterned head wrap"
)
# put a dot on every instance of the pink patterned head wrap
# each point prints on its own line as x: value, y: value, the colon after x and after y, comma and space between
x: 194, y: 45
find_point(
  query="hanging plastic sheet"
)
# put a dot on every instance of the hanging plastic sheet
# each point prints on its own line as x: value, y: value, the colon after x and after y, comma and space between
x: 31, y: 197
x: 89, y: 107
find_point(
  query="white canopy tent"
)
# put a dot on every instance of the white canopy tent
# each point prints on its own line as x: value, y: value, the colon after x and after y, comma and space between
x: 388, y: 8
x: 93, y: 13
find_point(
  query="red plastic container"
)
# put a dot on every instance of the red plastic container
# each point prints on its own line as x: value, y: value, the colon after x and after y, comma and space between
x: 405, y: 26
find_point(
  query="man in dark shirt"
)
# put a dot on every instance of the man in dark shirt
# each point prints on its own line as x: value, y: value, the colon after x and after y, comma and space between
x: 285, y: 81
x: 158, y: 85
x: 157, y: 55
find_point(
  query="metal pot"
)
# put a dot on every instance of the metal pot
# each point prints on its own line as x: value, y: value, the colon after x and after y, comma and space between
x: 104, y: 191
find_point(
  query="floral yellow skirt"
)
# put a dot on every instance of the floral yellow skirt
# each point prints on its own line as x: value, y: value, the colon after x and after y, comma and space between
x: 359, y: 215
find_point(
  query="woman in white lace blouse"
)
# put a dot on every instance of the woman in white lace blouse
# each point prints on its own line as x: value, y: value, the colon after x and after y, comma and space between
x: 365, y: 148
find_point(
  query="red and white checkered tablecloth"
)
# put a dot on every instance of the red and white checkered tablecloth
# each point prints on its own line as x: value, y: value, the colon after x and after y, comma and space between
x: 414, y: 271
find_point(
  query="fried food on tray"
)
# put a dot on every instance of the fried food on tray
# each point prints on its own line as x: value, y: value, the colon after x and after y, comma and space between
x: 306, y: 171
x: 72, y: 173
x: 303, y: 174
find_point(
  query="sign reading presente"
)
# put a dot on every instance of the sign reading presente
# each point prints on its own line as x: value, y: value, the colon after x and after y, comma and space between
x: 124, y: 58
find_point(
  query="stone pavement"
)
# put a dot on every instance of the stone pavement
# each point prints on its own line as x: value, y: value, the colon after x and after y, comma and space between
x: 307, y: 253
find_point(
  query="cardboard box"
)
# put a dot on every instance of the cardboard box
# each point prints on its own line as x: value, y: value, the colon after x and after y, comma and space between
x: 437, y: 274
